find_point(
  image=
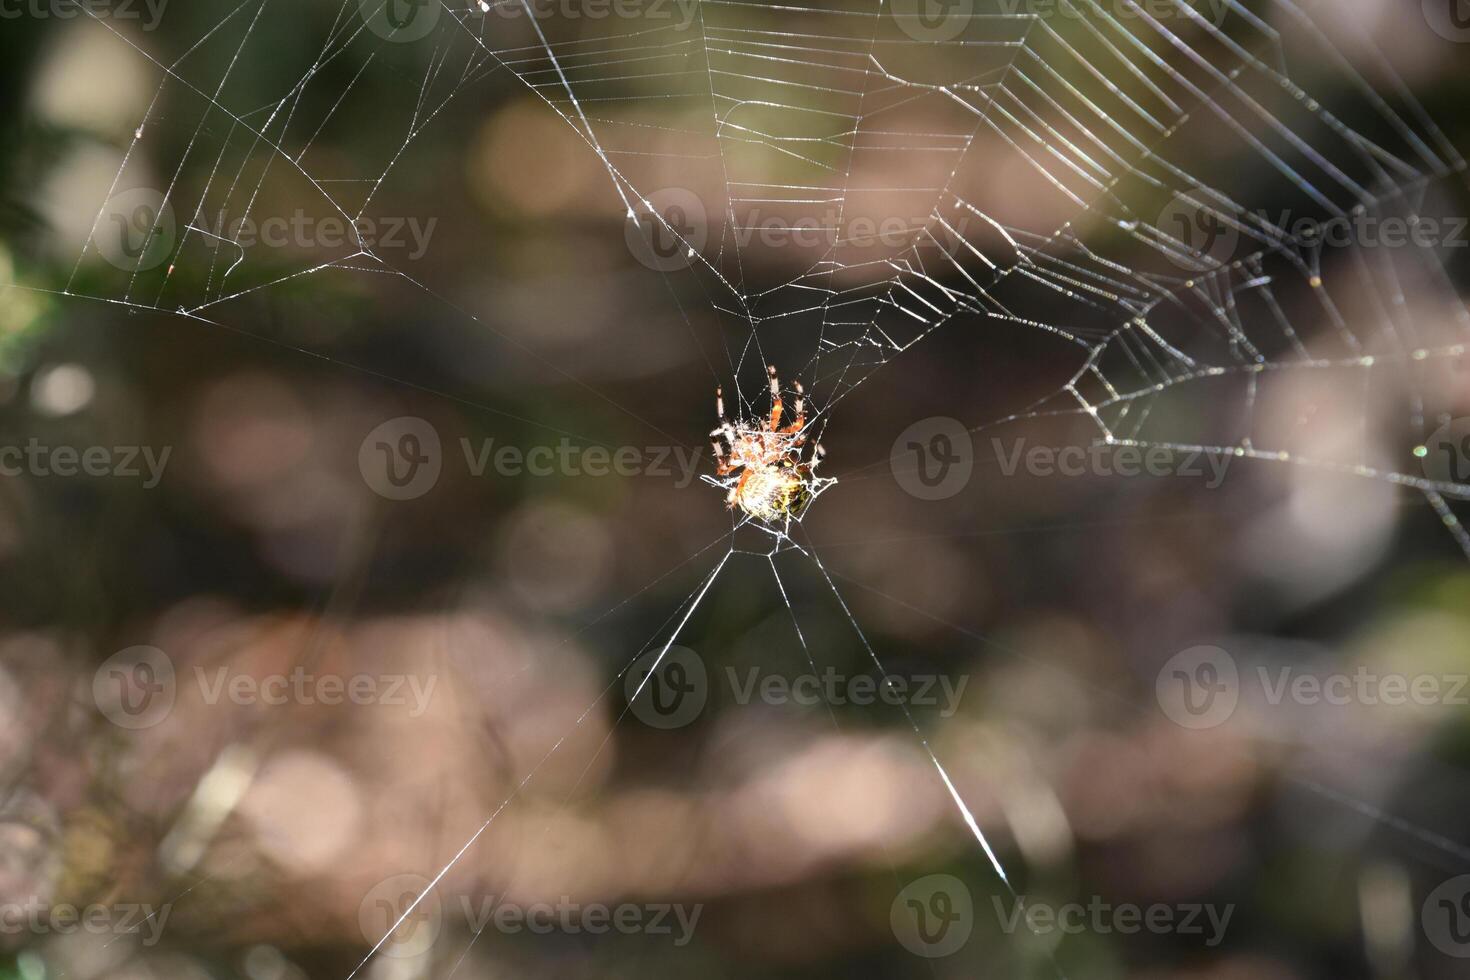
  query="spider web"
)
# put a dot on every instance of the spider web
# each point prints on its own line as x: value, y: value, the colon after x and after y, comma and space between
x: 1120, y: 184
x: 1166, y: 167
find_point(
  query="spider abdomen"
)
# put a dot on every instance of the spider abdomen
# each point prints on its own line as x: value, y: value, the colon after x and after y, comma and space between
x: 771, y: 493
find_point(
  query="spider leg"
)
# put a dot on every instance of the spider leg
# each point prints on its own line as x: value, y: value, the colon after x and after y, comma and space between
x: 800, y: 422
x: 734, y: 493
x: 727, y: 432
x: 775, y: 397
x: 818, y: 453
x: 724, y: 429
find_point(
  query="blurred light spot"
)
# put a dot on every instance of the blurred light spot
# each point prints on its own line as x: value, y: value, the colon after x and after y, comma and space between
x: 160, y: 966
x: 30, y: 852
x: 30, y: 966
x: 305, y: 810
x: 19, y: 308
x: 250, y: 429
x: 62, y: 390
x: 1330, y: 530
x: 13, y: 735
x: 844, y: 794
x: 1419, y: 646
x: 214, y: 798
x: 264, y: 963
x: 1371, y: 33
x: 84, y: 954
x: 527, y: 160
x: 94, y: 80
x: 76, y: 188
x: 1387, y: 911
x: 1331, y: 524
x: 400, y: 967
x: 1037, y: 820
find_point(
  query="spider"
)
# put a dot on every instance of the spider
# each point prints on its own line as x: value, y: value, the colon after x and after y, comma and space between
x: 774, y: 483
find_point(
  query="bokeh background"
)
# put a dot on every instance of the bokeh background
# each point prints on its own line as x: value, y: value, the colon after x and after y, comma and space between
x: 277, y: 834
